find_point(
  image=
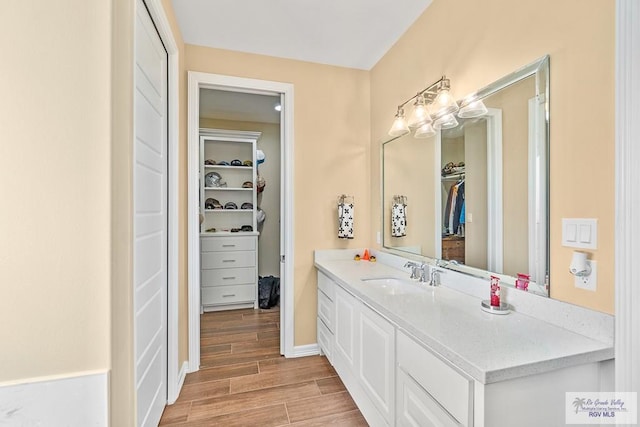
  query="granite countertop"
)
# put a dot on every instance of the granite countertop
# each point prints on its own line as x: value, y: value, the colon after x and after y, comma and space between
x: 488, y: 347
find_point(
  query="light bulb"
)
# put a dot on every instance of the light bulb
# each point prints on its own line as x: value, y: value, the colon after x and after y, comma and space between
x: 425, y: 131
x: 473, y: 109
x: 399, y: 126
x: 447, y: 121
x: 420, y: 114
x: 444, y: 103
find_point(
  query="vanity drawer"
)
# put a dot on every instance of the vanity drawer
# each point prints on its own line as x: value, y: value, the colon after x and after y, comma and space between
x: 448, y: 387
x: 228, y: 276
x: 325, y: 310
x: 416, y: 407
x: 219, y: 244
x: 217, y: 295
x: 228, y: 259
x: 325, y: 340
x: 326, y: 285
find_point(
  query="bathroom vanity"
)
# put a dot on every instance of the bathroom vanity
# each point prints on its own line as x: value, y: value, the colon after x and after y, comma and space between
x: 412, y: 355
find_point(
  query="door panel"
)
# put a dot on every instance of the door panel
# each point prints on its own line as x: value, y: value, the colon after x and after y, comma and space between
x: 150, y: 221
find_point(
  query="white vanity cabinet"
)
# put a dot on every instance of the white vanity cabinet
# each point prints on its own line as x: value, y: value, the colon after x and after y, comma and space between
x: 364, y: 357
x: 433, y: 358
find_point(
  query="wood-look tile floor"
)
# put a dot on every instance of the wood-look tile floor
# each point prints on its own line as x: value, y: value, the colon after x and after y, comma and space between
x: 243, y: 380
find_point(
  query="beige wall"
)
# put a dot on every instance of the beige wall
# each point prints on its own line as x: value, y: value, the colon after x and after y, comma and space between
x: 486, y: 40
x: 269, y: 199
x: 54, y: 181
x: 331, y: 156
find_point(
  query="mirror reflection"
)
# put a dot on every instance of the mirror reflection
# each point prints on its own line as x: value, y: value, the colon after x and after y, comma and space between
x: 483, y: 206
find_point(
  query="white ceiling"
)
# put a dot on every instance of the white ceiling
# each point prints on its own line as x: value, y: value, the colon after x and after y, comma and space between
x: 347, y: 33
x: 244, y: 107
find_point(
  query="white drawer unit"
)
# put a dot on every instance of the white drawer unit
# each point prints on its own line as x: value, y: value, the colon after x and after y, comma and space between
x: 326, y: 316
x: 325, y: 310
x: 447, y: 388
x: 228, y: 244
x: 228, y: 276
x: 228, y: 259
x: 217, y: 295
x: 325, y: 340
x: 228, y: 272
x: 417, y: 408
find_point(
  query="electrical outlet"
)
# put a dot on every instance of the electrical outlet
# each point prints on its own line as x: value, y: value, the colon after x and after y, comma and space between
x: 378, y: 241
x: 589, y: 282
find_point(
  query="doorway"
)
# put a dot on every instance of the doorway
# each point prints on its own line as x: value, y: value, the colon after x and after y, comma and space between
x: 241, y: 86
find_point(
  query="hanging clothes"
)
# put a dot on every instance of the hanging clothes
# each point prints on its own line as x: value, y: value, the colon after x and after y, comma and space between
x: 399, y: 216
x: 453, y: 208
x: 345, y: 217
x: 458, y: 207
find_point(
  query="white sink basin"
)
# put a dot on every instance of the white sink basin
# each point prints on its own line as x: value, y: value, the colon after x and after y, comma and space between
x: 393, y: 285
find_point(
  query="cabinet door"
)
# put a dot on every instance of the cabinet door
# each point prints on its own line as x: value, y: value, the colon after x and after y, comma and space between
x: 345, y: 315
x: 417, y: 408
x: 377, y: 360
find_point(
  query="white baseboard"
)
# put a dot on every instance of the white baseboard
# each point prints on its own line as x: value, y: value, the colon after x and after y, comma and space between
x: 78, y: 399
x: 306, y: 350
x: 182, y: 375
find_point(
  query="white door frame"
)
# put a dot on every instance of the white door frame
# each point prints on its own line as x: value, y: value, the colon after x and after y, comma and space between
x: 627, y: 205
x: 175, y: 377
x: 197, y: 81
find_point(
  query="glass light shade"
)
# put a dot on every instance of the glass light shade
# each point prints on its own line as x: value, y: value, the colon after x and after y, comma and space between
x: 445, y: 122
x: 444, y: 103
x: 399, y: 126
x: 420, y: 114
x: 425, y: 131
x: 472, y: 109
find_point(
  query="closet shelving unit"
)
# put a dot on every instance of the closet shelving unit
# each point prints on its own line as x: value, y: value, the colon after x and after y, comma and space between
x: 229, y: 257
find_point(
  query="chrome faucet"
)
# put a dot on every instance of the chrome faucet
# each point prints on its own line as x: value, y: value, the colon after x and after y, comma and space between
x: 424, y: 272
x: 414, y: 269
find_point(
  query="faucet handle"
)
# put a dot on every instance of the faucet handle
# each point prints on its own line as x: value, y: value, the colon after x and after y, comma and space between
x: 435, y: 276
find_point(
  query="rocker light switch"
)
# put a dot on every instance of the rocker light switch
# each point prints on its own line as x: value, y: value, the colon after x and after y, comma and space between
x: 580, y: 233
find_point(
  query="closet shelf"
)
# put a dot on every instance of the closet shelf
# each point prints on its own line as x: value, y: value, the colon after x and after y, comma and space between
x: 227, y: 189
x: 227, y: 167
x: 228, y: 210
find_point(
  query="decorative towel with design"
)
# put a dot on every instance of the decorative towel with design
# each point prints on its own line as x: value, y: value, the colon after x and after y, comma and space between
x: 345, y: 219
x: 399, y: 216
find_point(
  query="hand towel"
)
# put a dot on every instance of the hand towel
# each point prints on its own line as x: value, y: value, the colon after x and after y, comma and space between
x: 399, y: 220
x: 345, y: 220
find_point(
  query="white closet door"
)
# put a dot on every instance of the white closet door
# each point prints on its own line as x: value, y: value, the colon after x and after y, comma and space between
x: 150, y: 220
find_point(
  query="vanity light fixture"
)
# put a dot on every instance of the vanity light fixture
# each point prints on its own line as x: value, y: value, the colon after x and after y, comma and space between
x: 420, y: 114
x: 399, y: 126
x: 472, y: 109
x: 436, y: 105
x: 448, y: 121
x: 424, y: 131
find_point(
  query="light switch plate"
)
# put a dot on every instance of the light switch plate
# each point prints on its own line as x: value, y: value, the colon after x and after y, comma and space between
x: 580, y: 233
x: 592, y: 279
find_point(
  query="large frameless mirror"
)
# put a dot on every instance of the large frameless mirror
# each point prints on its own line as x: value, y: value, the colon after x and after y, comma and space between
x: 474, y: 197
